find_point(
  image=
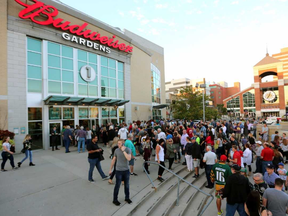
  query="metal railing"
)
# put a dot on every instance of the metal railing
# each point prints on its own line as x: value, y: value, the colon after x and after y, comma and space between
x: 179, y: 180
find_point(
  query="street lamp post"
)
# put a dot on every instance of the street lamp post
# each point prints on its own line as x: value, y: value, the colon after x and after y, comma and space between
x: 203, y: 86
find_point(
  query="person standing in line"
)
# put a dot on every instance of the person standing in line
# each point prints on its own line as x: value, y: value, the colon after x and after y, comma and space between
x: 247, y: 158
x: 270, y: 176
x: 111, y: 135
x: 67, y: 137
x: 236, y: 156
x: 259, y: 185
x: 123, y: 156
x: 81, y: 134
x: 267, y: 156
x: 54, y: 138
x: 122, y: 133
x: 259, y: 149
x: 196, y: 157
x: 188, y: 153
x: 170, y: 152
x: 27, y: 146
x: 94, y: 158
x: 7, y: 154
x: 219, y: 174
x: 129, y: 144
x: 236, y: 191
x: 88, y: 135
x: 284, y: 150
x: 183, y: 142
x: 210, y: 159
x: 160, y: 158
x: 275, y: 200
x: 147, y: 153
x: 265, y: 133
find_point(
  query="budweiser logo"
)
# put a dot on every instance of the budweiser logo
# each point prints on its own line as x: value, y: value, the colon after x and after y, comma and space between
x: 42, y: 14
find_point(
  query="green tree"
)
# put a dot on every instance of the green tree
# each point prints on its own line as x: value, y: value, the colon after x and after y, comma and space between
x: 221, y: 109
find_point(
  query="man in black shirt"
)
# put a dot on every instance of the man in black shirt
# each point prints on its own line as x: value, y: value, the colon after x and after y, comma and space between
x: 94, y: 158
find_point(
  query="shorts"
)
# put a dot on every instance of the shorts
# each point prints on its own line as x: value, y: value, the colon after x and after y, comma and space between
x: 218, y: 190
x: 131, y: 162
x: 196, y: 163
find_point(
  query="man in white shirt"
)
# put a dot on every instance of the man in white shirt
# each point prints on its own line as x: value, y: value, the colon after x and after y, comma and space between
x: 210, y: 159
x: 122, y: 133
x: 224, y: 128
x: 161, y: 134
x: 259, y: 149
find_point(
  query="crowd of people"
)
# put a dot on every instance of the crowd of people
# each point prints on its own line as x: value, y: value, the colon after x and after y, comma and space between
x: 225, y: 149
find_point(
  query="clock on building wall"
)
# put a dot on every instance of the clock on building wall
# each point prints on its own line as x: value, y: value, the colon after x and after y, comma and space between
x: 270, y: 96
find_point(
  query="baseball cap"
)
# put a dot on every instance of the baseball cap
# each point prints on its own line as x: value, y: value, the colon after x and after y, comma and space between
x: 243, y: 170
x: 280, y: 164
x: 270, y: 166
x: 259, y: 142
x: 223, y: 158
x: 236, y: 167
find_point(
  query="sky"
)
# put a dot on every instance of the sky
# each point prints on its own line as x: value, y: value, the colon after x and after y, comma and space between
x: 220, y: 40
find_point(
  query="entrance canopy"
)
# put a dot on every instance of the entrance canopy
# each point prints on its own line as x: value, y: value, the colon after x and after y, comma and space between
x: 161, y: 106
x: 75, y: 101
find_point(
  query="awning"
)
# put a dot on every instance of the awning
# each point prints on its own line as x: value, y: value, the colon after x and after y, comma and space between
x: 161, y: 106
x: 75, y: 101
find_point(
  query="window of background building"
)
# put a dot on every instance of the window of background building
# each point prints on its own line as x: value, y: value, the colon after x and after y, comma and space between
x: 249, y: 99
x: 156, y: 114
x: 34, y: 65
x: 211, y: 92
x: 60, y: 69
x: 86, y: 58
x: 35, y: 126
x: 120, y: 80
x: 212, y: 97
x: 155, y: 84
x: 234, y: 103
x: 219, y: 97
x: 108, y: 77
x: 219, y: 92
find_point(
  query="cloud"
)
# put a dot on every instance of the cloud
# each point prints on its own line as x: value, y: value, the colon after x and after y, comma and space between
x: 136, y: 14
x: 269, y: 12
x: 216, y: 2
x: 257, y: 8
x: 235, y: 2
x: 161, y: 6
x: 145, y: 1
x: 199, y: 12
x: 189, y: 27
x: 162, y: 21
x: 189, y: 12
x: 189, y: 1
x: 121, y: 13
x: 145, y: 21
x: 140, y: 30
x: 154, y: 31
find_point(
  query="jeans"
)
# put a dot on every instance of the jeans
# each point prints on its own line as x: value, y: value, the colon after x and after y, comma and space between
x: 67, y: 144
x: 93, y: 163
x: 264, y: 165
x: 258, y: 165
x: 231, y: 209
x: 121, y: 176
x: 208, y: 171
x: 27, y: 153
x: 81, y: 140
x: 5, y: 157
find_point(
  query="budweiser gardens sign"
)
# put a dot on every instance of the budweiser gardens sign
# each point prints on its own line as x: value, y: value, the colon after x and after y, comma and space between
x: 45, y: 15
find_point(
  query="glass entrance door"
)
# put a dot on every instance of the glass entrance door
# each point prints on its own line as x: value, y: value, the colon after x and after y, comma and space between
x: 58, y: 137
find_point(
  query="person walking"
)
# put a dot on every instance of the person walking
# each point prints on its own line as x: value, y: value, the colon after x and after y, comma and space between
x: 54, y: 139
x: 27, y: 147
x: 210, y: 159
x: 160, y: 158
x: 67, y: 138
x: 267, y: 156
x: 236, y: 191
x: 81, y: 135
x: 7, y: 154
x: 94, y: 158
x: 123, y: 156
x: 129, y: 144
x: 170, y: 152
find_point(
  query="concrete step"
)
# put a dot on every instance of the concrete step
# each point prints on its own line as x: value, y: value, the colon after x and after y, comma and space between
x: 188, y: 197
x: 146, y: 192
x: 169, y: 202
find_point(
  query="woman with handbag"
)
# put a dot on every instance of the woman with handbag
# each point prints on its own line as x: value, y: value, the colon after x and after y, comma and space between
x: 27, y: 149
x: 7, y: 154
x: 94, y: 158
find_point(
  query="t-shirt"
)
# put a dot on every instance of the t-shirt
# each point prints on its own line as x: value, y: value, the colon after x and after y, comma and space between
x: 237, y: 156
x: 93, y: 146
x: 220, y: 172
x: 267, y: 154
x: 277, y: 201
x: 129, y: 144
x: 66, y: 134
x: 123, y: 133
x: 210, y: 158
x: 122, y: 163
x: 7, y: 145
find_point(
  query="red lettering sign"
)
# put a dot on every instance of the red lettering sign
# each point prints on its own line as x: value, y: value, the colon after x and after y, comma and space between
x: 45, y: 15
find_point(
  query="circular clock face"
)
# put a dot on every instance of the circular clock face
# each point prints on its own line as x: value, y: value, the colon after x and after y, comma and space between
x: 269, y: 96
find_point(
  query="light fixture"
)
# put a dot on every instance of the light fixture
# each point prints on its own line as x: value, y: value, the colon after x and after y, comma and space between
x: 69, y: 104
x: 55, y: 104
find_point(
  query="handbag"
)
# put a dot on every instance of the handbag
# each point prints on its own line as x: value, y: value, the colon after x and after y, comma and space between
x: 23, y: 150
x: 101, y: 157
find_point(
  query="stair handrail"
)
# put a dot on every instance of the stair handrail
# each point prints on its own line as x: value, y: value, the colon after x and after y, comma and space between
x: 179, y: 178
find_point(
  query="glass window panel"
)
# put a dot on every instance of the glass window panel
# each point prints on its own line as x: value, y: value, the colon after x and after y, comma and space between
x: 34, y: 58
x: 94, y: 82
x: 53, y: 61
x: 104, y: 81
x: 104, y: 71
x: 113, y: 112
x: 120, y: 76
x: 80, y: 80
x: 120, y: 85
x: 105, y: 112
x: 82, y: 55
x: 120, y: 66
x: 93, y: 90
x: 112, y: 83
x: 67, y: 76
x: 68, y: 113
x: 112, y: 63
x: 82, y: 89
x: 121, y: 112
x: 34, y: 114
x: 35, y: 130
x: 104, y: 92
x: 80, y: 65
x: 92, y: 58
x: 67, y: 51
x: 54, y: 87
x: 53, y: 48
x: 94, y: 112
x: 34, y: 72
x: 83, y: 112
x: 104, y: 61
x: 68, y: 88
x: 94, y: 67
x: 112, y: 73
x: 34, y: 85
x: 112, y: 93
x: 55, y: 113
x: 67, y: 64
x: 34, y: 45
x: 120, y: 94
x: 54, y: 74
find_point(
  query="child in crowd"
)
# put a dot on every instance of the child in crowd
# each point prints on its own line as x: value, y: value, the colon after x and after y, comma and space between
x: 282, y: 171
